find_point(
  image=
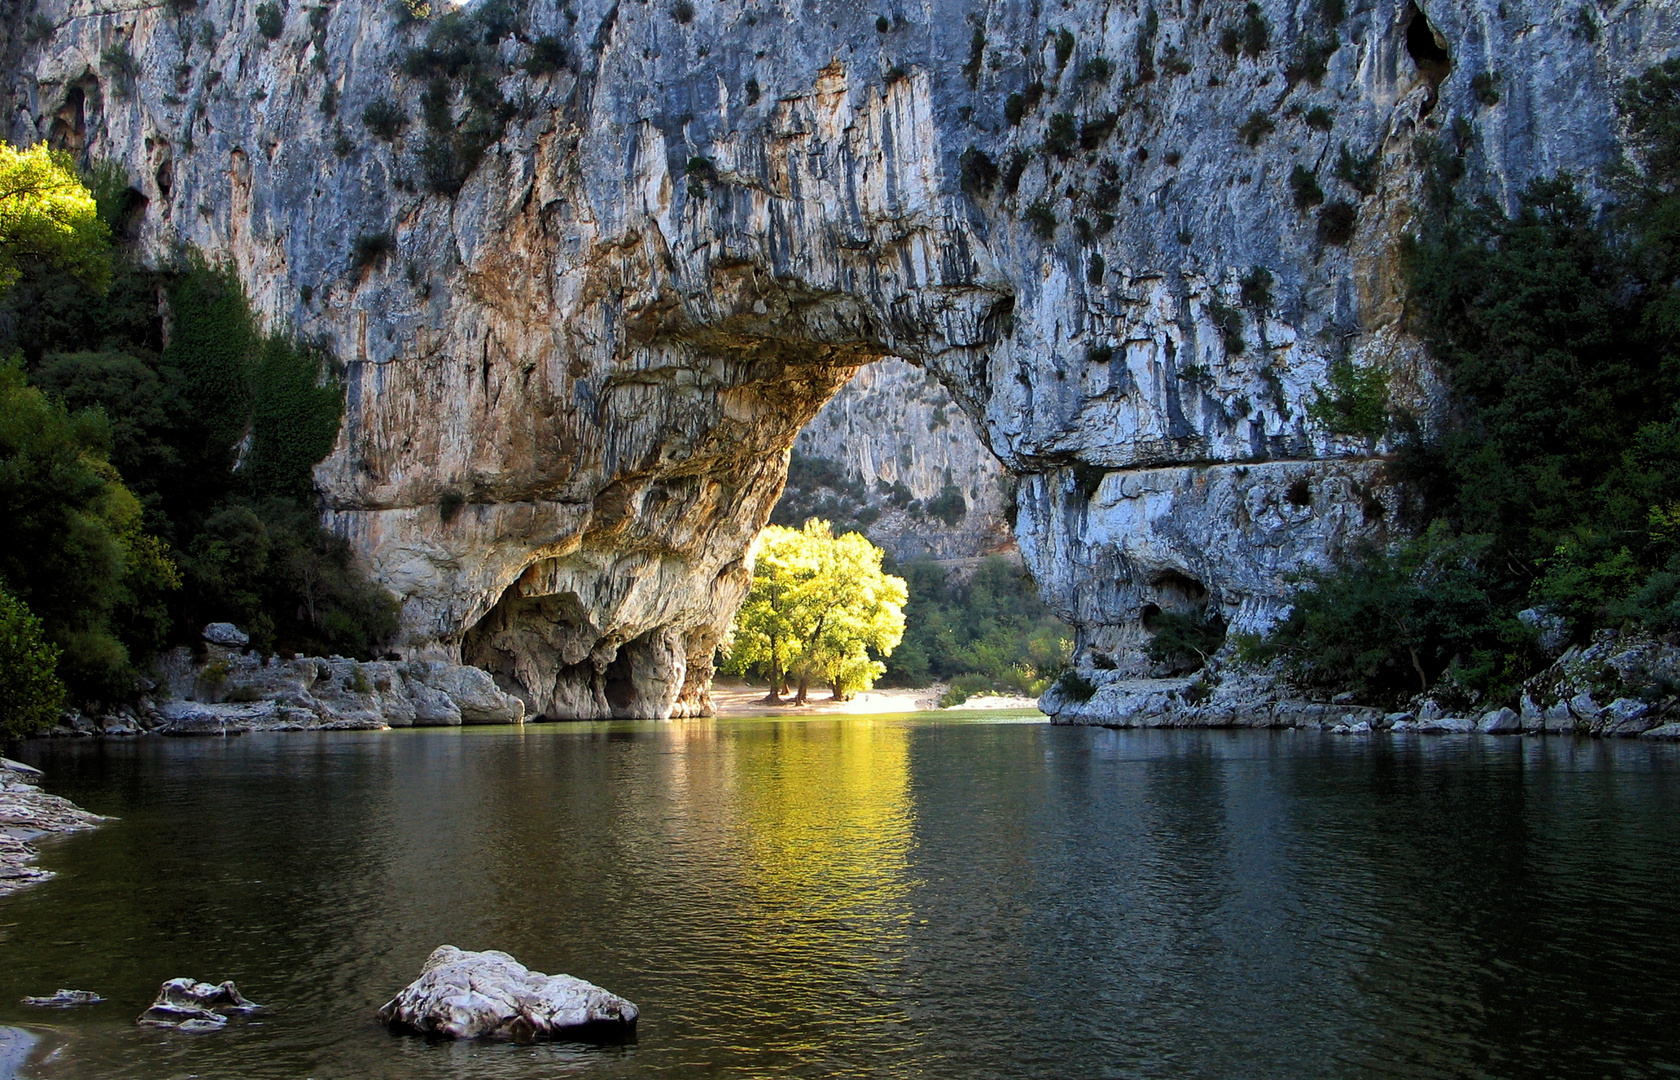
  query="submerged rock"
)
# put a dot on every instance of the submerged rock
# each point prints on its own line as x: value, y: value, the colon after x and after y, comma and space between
x: 469, y: 995
x: 65, y: 999
x: 191, y: 1005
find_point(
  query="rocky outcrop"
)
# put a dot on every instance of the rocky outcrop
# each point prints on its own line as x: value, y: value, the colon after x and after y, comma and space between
x: 190, y: 1005
x: 599, y: 296
x: 1620, y: 686
x: 229, y: 692
x: 27, y: 813
x: 472, y: 995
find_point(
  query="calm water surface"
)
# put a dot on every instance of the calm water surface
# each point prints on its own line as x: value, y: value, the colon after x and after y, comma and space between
x: 903, y: 896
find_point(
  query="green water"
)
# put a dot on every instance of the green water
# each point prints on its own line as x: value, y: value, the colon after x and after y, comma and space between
x: 891, y: 896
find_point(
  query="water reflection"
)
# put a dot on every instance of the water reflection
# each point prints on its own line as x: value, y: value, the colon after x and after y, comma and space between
x: 870, y: 897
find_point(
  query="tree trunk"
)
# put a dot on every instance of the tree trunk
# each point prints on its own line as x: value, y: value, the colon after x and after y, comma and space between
x: 804, y: 690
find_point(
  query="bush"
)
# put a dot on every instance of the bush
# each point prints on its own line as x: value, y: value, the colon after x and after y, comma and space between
x: 371, y: 250
x: 124, y: 68
x: 683, y: 12
x: 1076, y: 687
x: 1250, y: 37
x: 1357, y: 403
x: 1256, y: 127
x: 1485, y: 88
x: 1337, y: 223
x: 384, y: 118
x: 1183, y: 641
x: 1062, y: 135
x: 1042, y: 219
x: 1310, y: 60
x: 548, y: 55
x: 1303, y: 186
x: 949, y: 507
x: 31, y: 693
x: 1064, y: 47
x: 270, y: 22
x: 1320, y: 118
x: 1256, y: 286
x: 1098, y: 69
x: 1229, y: 322
x: 1358, y: 171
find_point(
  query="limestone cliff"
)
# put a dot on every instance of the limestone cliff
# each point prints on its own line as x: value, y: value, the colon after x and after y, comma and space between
x: 892, y: 454
x: 593, y: 266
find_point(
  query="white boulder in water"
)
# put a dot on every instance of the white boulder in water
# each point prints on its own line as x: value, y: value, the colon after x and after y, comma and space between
x: 196, y: 1006
x: 469, y: 995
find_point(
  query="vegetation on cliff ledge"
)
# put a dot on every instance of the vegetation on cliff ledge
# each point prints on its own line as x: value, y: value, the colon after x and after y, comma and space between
x: 1555, y: 486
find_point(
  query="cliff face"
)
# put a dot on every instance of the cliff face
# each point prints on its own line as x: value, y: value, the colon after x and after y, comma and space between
x: 621, y: 253
x: 893, y: 456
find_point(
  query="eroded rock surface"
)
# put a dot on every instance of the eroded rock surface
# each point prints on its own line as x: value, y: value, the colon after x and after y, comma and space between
x: 230, y: 692
x: 471, y: 995
x: 27, y: 813
x: 574, y: 376
x: 190, y: 1005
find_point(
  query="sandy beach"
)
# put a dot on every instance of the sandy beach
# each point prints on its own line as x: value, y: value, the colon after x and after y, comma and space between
x: 735, y: 698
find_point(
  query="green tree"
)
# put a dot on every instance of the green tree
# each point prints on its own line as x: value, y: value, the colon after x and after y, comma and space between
x: 47, y: 213
x: 75, y: 550
x: 30, y: 691
x: 987, y: 631
x: 820, y: 607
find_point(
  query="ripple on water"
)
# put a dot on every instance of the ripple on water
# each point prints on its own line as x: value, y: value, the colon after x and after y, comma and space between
x: 876, y: 897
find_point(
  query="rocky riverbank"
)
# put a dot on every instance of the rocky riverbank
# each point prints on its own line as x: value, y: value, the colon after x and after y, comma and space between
x: 26, y: 814
x: 1619, y: 686
x: 226, y: 689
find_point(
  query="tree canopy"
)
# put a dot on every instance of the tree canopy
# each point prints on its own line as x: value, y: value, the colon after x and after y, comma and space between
x: 820, y: 609
x: 47, y: 213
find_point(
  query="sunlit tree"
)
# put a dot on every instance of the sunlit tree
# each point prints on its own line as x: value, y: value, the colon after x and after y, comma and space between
x: 820, y: 609
x: 48, y: 214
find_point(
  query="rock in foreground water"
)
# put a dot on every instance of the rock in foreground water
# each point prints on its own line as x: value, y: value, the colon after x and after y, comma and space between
x: 64, y: 999
x: 469, y: 995
x: 196, y: 1006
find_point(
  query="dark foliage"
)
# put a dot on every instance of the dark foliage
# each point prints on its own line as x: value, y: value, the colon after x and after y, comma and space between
x: 989, y: 632
x: 1558, y: 481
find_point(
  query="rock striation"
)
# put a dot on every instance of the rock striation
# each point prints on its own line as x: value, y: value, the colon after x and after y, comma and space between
x: 472, y: 995
x: 587, y: 306
x: 26, y: 814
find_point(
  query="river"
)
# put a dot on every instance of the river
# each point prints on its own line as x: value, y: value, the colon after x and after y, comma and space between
x: 914, y: 896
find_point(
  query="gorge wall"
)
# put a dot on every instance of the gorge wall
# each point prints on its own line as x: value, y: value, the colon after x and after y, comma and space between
x: 891, y: 455
x: 593, y: 266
